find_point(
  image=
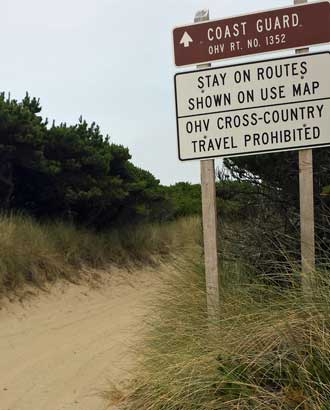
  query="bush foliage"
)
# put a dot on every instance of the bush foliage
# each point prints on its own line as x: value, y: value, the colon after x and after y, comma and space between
x: 266, y: 191
x: 71, y: 172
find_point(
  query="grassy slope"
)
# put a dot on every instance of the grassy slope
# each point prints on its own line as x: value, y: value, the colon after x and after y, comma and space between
x: 270, y: 349
x: 31, y: 252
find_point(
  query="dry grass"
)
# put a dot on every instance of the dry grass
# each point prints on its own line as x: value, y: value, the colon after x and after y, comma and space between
x: 31, y: 252
x: 269, y: 348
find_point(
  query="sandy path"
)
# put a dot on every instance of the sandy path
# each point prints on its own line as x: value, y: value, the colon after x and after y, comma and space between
x: 58, y: 351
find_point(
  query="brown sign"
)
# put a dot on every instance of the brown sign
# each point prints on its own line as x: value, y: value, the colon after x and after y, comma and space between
x: 281, y: 29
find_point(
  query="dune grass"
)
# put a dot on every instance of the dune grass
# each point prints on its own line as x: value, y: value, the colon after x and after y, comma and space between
x: 32, y: 252
x: 268, y: 349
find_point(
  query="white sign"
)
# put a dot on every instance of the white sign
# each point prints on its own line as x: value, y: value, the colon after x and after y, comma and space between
x: 254, y: 108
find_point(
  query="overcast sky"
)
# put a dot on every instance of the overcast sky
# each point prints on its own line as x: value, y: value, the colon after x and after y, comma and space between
x: 110, y: 61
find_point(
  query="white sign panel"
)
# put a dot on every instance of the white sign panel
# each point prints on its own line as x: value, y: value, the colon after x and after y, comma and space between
x: 254, y: 108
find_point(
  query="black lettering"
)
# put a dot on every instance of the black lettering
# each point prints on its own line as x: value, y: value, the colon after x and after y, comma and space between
x: 189, y: 127
x: 256, y: 139
x: 303, y: 66
x: 218, y: 142
x: 267, y: 117
x: 206, y: 124
x: 307, y: 133
x: 232, y: 142
x: 265, y: 138
x: 219, y: 120
x: 254, y: 118
x: 316, y: 132
x: 226, y: 143
x: 316, y: 85
x: 296, y: 90
x: 310, y: 112
x: 320, y: 109
x: 210, y: 146
x: 247, y: 139
x: 287, y: 135
x: 191, y: 105
x: 261, y: 73
x: 246, y: 121
x: 228, y: 122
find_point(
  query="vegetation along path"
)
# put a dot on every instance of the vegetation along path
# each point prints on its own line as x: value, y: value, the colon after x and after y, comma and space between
x: 60, y: 350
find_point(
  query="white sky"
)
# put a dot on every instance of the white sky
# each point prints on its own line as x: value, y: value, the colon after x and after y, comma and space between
x: 110, y: 61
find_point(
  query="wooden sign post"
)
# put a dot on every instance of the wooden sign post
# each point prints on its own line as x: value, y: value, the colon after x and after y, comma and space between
x: 253, y: 108
x: 306, y: 194
x: 209, y: 218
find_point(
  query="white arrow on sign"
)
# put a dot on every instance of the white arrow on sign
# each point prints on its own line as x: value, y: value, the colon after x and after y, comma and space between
x: 186, y: 39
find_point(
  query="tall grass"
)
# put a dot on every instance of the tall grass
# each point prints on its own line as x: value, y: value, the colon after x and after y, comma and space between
x: 31, y: 252
x: 268, y: 349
